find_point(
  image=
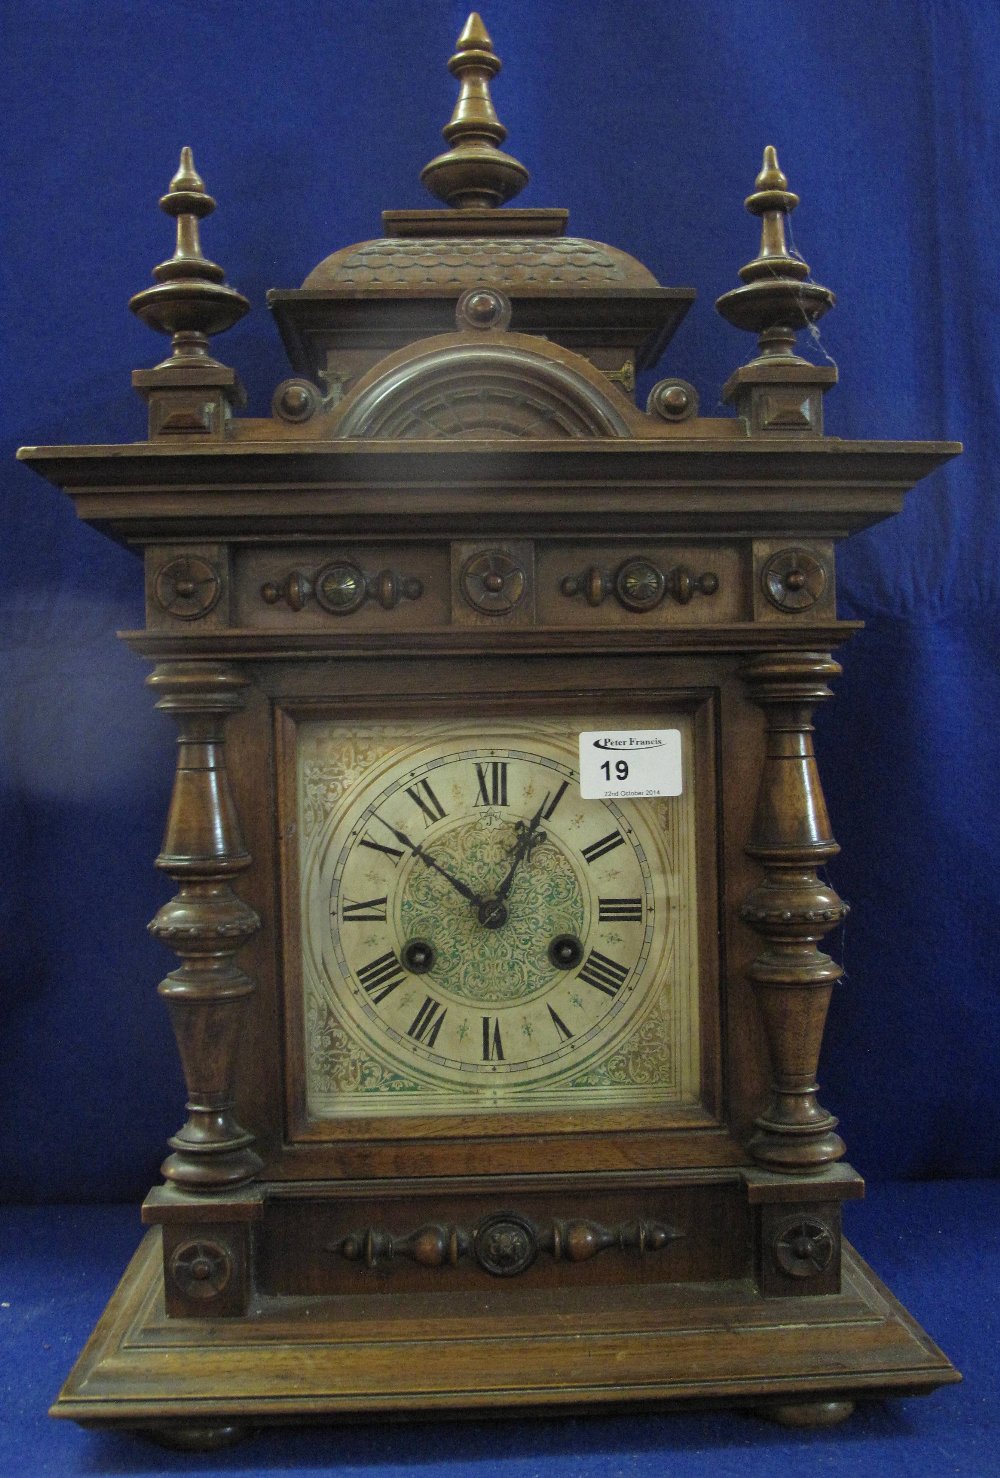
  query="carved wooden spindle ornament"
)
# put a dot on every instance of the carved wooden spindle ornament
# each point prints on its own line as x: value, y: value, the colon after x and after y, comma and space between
x: 474, y: 172
x: 189, y: 392
x: 205, y: 924
x: 792, y: 910
x: 191, y: 299
x: 505, y: 1244
x: 778, y: 392
x: 776, y: 300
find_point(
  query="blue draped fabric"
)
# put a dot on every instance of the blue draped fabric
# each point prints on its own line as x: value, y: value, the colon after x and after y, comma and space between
x: 648, y: 121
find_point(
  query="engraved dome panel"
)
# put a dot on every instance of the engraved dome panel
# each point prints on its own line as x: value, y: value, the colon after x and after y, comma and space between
x: 473, y: 392
x: 566, y: 263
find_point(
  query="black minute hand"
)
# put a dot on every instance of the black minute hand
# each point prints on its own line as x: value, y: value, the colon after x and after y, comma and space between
x: 525, y: 842
x: 431, y: 862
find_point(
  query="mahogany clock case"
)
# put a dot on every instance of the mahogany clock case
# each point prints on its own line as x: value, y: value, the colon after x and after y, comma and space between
x: 557, y: 677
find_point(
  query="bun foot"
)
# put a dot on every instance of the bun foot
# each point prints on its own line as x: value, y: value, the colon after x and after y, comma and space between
x: 807, y: 1413
x: 185, y: 1436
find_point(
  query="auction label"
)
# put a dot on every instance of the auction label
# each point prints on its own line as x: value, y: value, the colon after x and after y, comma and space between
x: 630, y: 764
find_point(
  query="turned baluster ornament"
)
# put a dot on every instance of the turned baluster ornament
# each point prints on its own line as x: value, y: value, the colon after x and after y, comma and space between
x: 792, y: 909
x: 206, y: 924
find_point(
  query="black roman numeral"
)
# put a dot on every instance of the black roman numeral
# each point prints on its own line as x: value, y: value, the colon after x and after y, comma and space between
x: 381, y: 976
x: 603, y: 974
x: 619, y: 910
x: 492, y: 1045
x: 560, y: 1025
x: 492, y: 780
x: 427, y: 1022
x: 371, y: 911
x: 423, y: 797
x: 394, y: 852
x: 603, y: 844
x: 550, y: 808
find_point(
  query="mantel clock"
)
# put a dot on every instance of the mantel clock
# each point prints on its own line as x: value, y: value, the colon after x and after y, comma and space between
x: 495, y: 830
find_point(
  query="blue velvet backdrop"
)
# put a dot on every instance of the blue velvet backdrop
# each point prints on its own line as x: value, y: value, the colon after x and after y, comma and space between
x: 648, y: 121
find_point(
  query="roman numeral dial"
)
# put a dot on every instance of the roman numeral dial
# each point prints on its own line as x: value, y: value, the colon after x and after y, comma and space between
x: 492, y: 782
x: 381, y: 976
x: 426, y: 802
x: 426, y: 1025
x: 489, y: 933
x: 619, y: 910
x: 602, y: 846
x: 371, y: 911
x: 603, y: 974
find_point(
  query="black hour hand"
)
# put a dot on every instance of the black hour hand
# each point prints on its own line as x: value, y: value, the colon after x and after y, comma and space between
x: 529, y: 837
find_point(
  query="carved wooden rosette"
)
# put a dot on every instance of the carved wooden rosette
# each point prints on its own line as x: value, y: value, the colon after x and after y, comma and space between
x: 792, y: 909
x: 205, y: 924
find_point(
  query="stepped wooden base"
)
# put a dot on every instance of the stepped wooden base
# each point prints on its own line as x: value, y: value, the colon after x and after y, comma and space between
x: 198, y: 1382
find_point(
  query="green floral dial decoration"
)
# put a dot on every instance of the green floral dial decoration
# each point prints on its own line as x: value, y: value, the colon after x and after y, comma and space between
x: 492, y: 967
x: 479, y: 937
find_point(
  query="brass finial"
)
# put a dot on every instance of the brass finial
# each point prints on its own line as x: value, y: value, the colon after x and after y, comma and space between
x: 190, y: 299
x: 776, y: 301
x: 474, y: 173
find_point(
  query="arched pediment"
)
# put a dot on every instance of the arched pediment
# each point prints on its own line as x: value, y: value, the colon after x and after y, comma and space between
x: 495, y: 388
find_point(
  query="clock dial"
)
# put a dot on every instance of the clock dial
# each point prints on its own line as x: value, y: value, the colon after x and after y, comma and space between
x: 477, y: 936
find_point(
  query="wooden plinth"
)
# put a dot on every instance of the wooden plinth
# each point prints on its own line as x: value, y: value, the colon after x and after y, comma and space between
x: 296, y: 1359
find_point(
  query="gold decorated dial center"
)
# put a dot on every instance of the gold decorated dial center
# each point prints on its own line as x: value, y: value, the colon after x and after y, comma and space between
x: 492, y: 951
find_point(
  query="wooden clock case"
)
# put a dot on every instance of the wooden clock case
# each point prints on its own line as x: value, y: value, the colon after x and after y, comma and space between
x: 456, y: 507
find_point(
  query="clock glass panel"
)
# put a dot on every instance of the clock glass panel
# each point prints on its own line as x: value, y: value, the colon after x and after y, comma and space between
x: 476, y: 936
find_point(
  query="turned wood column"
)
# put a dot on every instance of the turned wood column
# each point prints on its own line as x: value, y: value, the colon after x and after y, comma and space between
x: 792, y: 910
x: 206, y: 924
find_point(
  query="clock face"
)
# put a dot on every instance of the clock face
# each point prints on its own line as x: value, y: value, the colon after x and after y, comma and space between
x: 477, y: 936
